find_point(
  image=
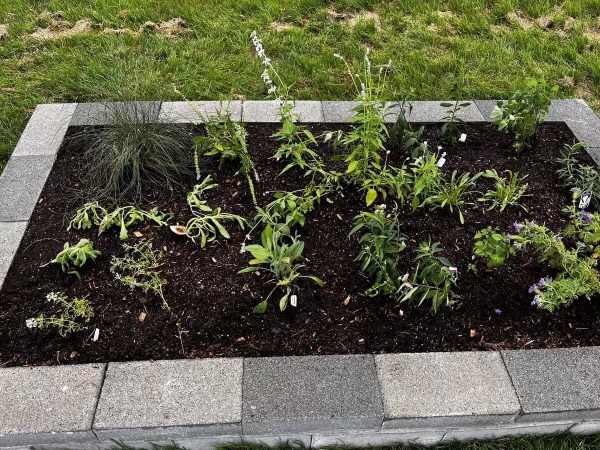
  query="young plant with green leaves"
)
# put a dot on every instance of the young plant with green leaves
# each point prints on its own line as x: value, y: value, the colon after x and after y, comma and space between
x: 524, y: 112
x: 507, y: 190
x: 280, y: 255
x: 576, y: 276
x: 449, y: 130
x: 493, y: 246
x: 76, y: 256
x: 70, y: 315
x: 123, y: 217
x: 583, y: 179
x: 451, y: 193
x: 140, y: 268
x: 206, y: 223
x: 584, y: 226
x: 227, y: 140
x: 427, y: 179
x: 432, y: 279
x: 381, y: 243
x: 368, y: 137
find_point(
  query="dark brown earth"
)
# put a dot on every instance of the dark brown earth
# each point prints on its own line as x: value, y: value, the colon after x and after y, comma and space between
x: 213, y: 305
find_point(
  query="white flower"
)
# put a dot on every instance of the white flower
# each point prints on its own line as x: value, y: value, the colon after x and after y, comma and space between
x: 462, y: 138
x: 243, y: 249
x: 272, y: 89
x: 439, y: 147
x: 363, y: 93
x: 267, y: 61
x: 31, y: 323
x: 52, y: 297
x: 337, y: 55
x: 387, y: 152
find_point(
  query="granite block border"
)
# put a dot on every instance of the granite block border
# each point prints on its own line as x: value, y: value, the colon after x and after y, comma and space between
x: 317, y: 400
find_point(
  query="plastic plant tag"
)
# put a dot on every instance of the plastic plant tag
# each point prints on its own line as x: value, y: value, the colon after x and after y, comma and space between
x: 96, y: 334
x: 584, y: 200
x: 442, y: 160
x: 454, y: 272
x: 462, y: 138
x: 294, y: 300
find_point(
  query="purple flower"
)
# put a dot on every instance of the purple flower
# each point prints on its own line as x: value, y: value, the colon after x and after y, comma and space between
x: 557, y: 238
x: 532, y: 288
x: 498, y: 311
x: 536, y: 301
x: 546, y: 281
x: 517, y: 227
x: 587, y: 217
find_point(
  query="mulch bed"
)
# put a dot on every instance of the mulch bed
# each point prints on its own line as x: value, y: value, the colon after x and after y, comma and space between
x: 213, y: 305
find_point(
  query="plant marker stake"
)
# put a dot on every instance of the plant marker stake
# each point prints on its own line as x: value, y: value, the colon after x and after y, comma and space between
x: 96, y: 334
x: 462, y: 138
x: 442, y: 160
x: 586, y: 197
x: 294, y: 300
x: 454, y: 272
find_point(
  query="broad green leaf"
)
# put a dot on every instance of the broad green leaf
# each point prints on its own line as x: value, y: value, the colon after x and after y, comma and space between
x: 371, y: 196
x: 260, y: 308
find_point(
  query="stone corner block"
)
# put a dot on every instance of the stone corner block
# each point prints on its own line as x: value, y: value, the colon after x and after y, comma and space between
x: 44, y: 405
x: 268, y: 111
x: 421, y: 390
x: 168, y: 398
x: 11, y: 234
x: 433, y: 111
x: 45, y: 130
x: 196, y: 111
x: 105, y: 113
x: 556, y: 384
x: 310, y: 393
x: 21, y: 184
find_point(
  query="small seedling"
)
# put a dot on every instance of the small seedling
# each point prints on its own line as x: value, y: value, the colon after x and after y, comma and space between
x: 76, y: 256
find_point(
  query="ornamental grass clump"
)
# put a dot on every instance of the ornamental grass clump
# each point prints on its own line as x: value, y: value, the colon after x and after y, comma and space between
x: 134, y: 153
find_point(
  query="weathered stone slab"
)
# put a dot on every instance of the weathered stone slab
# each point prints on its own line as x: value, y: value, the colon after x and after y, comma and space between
x: 445, y: 389
x: 556, y: 384
x: 180, y: 398
x: 105, y: 113
x: 580, y: 118
x: 486, y: 107
x: 21, y: 184
x: 586, y: 427
x: 485, y: 433
x: 11, y: 234
x: 337, y: 111
x: 268, y: 111
x: 45, y: 405
x: 432, y: 111
x: 378, y: 439
x: 310, y: 393
x: 193, y: 112
x: 45, y: 130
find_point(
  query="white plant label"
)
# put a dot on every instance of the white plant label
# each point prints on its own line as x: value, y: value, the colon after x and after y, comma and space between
x: 454, y: 272
x: 294, y: 300
x: 585, y: 199
x: 462, y: 138
x: 442, y: 160
x: 96, y: 334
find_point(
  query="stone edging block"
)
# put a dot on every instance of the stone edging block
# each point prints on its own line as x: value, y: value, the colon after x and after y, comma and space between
x: 424, y: 390
x: 311, y: 393
x: 91, y: 114
x: 48, y: 404
x: 11, y: 234
x: 556, y: 384
x: 197, y: 397
x: 192, y: 112
x: 268, y: 111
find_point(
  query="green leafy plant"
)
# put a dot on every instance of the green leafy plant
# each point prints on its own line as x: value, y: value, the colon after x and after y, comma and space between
x: 585, y: 227
x: 393, y: 181
x: 227, y: 139
x: 295, y: 145
x: 431, y: 280
x: 123, y: 217
x: 576, y: 269
x: 495, y: 247
x: 75, y: 256
x: 71, y: 315
x: 381, y: 244
x: 450, y: 194
x: 206, y: 224
x: 524, y: 112
x: 279, y: 255
x: 426, y: 179
x: 507, y: 190
x: 134, y: 152
x: 583, y: 179
x: 140, y: 268
x: 370, y: 133
x: 449, y: 130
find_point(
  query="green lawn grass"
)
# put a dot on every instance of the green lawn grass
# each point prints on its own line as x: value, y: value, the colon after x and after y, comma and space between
x: 440, y: 49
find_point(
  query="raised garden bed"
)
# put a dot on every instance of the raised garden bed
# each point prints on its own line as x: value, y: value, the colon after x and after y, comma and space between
x: 503, y: 392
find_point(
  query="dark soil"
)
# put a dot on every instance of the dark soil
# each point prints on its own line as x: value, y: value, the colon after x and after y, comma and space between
x: 213, y: 305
